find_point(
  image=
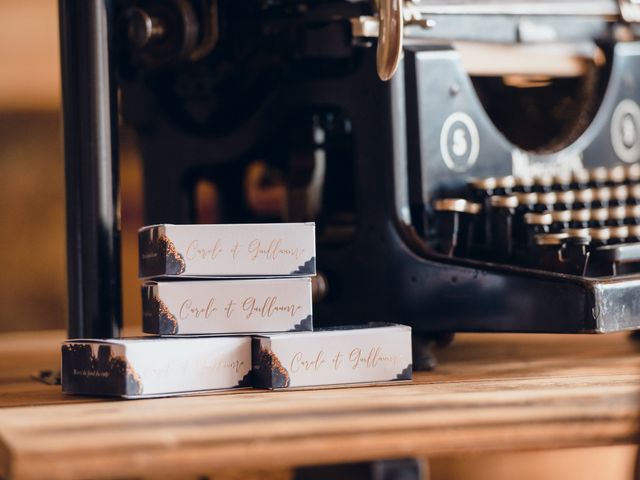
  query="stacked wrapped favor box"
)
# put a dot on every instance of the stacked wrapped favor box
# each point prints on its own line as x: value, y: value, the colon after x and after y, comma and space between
x: 230, y: 306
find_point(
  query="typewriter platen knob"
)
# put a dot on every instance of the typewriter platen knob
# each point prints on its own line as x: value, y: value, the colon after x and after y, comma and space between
x: 140, y: 27
x: 168, y: 31
x: 391, y: 27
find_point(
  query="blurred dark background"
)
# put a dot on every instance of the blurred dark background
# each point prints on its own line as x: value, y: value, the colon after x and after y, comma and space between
x: 32, y: 249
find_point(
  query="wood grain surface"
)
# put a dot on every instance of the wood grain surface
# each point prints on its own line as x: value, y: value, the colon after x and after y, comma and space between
x: 490, y: 393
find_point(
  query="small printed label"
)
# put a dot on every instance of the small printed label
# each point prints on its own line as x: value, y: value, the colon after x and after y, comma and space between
x: 354, y: 359
x: 459, y: 142
x: 91, y: 373
x: 625, y: 131
x: 251, y: 307
x: 256, y: 249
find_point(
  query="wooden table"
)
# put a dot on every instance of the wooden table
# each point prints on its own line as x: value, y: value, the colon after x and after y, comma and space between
x: 490, y: 393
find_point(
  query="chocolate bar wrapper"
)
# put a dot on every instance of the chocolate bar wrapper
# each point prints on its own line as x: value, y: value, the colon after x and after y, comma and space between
x: 376, y: 352
x: 240, y: 250
x: 227, y: 306
x: 148, y: 367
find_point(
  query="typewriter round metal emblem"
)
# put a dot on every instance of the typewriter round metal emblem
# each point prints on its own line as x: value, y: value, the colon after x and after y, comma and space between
x: 459, y: 142
x: 625, y: 131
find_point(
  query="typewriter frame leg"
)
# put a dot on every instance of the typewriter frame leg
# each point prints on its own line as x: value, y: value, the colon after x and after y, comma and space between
x: 423, y: 357
x: 89, y: 101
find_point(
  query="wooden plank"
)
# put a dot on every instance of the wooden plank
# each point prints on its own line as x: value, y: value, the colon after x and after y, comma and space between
x: 491, y: 393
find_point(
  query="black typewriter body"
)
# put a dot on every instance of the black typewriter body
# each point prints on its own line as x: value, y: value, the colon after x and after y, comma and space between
x: 214, y: 89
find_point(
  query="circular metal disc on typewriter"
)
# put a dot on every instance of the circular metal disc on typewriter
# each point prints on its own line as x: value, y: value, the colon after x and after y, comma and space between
x: 577, y: 233
x: 619, y: 233
x: 550, y: 238
x: 527, y: 198
x: 568, y: 197
x: 489, y: 183
x: 562, y: 216
x: 504, y: 201
x: 538, y: 218
x: 602, y: 194
x: 617, y: 213
x: 582, y: 215
x: 617, y: 174
x: 547, y: 198
x: 584, y: 196
x: 633, y: 172
x: 620, y: 193
x: 600, y: 174
x: 602, y: 234
x: 632, y: 211
x: 599, y: 214
x: 460, y: 205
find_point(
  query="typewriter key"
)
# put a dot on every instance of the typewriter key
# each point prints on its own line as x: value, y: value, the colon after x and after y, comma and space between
x: 634, y: 234
x: 616, y: 175
x: 454, y: 225
x: 545, y: 201
x: 578, y: 233
x: 550, y: 238
x: 537, y: 223
x: 601, y: 197
x: 634, y: 194
x: 584, y: 198
x: 580, y: 218
x: 598, y: 177
x: 616, y: 216
x: 503, y: 209
x: 619, y: 234
x: 523, y: 185
x: 505, y: 185
x: 599, y: 237
x: 561, y: 220
x: 561, y: 181
x: 619, y: 195
x: 632, y: 215
x: 526, y: 201
x: 632, y: 173
x: 598, y: 217
x: 565, y: 200
x: 482, y: 188
x: 543, y: 184
x: 580, y: 179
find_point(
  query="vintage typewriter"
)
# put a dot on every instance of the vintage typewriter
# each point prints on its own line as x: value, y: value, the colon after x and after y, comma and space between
x: 471, y: 165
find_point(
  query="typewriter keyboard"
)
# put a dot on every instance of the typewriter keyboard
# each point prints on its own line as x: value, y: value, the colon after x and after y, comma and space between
x: 585, y: 223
